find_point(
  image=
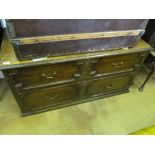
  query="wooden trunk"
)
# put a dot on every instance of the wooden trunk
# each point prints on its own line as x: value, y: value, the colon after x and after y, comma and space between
x: 37, y: 38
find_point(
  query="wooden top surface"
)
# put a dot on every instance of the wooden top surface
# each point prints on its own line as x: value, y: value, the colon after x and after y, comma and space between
x: 9, y: 60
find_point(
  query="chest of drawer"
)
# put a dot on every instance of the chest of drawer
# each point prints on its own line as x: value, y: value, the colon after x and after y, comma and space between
x: 116, y: 63
x: 41, y: 75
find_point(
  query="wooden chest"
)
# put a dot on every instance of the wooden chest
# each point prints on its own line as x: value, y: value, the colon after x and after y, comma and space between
x: 53, y: 37
x: 66, y: 80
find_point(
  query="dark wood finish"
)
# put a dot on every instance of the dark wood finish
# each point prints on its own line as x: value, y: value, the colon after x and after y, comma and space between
x: 41, y: 27
x: 34, y: 100
x: 45, y: 74
x: 67, y: 104
x: 116, y: 63
x: 43, y: 38
x: 75, y: 81
x: 46, y: 97
x: 108, y: 85
x: 67, y: 80
x: 53, y: 74
x: 72, y: 47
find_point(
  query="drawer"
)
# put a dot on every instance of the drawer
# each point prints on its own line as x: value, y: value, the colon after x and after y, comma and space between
x: 47, y: 97
x: 108, y: 85
x: 116, y: 63
x: 45, y: 74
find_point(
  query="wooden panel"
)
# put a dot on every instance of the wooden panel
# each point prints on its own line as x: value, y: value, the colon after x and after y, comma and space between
x: 72, y: 47
x: 81, y: 36
x: 116, y: 63
x: 43, y: 27
x: 108, y: 85
x: 42, y: 98
x: 45, y: 74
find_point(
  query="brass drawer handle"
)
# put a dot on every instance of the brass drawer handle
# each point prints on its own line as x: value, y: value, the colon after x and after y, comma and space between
x: 117, y: 64
x: 51, y: 76
x: 19, y: 86
x: 109, y: 86
x: 92, y: 73
x: 77, y: 75
x: 51, y: 97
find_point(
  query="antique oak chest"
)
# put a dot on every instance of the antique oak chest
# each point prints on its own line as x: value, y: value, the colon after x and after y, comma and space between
x: 42, y: 84
x: 37, y: 38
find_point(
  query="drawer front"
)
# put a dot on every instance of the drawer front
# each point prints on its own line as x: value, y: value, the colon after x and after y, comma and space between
x: 107, y: 85
x: 45, y: 97
x: 44, y: 74
x: 116, y: 63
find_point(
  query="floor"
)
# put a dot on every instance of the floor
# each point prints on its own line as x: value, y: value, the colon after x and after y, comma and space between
x: 122, y: 114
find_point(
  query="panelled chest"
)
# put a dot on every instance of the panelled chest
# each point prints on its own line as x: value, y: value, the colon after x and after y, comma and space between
x: 35, y: 38
x: 61, y: 81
